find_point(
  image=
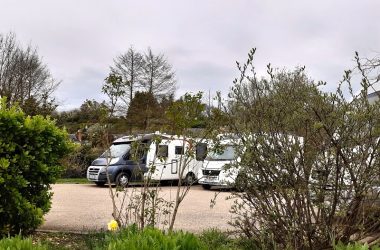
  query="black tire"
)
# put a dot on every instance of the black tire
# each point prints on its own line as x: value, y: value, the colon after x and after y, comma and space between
x: 206, y: 186
x: 189, y: 179
x: 122, y: 179
x: 100, y: 183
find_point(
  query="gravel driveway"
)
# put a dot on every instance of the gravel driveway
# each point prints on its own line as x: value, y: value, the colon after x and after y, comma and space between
x: 86, y: 207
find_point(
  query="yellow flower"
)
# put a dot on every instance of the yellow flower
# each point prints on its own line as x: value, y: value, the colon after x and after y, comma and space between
x: 112, y: 225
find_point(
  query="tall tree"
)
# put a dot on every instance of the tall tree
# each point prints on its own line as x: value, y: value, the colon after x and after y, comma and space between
x: 130, y: 67
x: 23, y: 76
x: 187, y: 112
x: 142, y: 110
x: 92, y: 111
x: 113, y: 88
x: 158, y: 76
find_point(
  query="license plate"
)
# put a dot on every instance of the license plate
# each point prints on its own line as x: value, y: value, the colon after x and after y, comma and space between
x: 93, y: 176
x: 211, y: 178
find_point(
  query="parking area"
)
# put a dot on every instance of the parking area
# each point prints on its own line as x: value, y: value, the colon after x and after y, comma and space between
x: 86, y: 207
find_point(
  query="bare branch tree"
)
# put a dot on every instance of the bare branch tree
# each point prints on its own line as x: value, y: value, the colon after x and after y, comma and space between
x: 130, y: 67
x: 159, y: 78
x: 23, y: 76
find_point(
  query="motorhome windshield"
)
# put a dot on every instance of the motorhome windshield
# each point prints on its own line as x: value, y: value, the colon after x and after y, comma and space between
x: 117, y: 150
x: 228, y: 154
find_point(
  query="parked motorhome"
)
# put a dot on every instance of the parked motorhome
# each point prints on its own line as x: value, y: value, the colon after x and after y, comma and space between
x: 166, y: 159
x: 214, y: 171
x: 160, y: 159
x: 122, y: 168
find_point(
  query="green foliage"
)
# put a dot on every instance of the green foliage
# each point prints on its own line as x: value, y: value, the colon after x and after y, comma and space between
x: 76, y: 163
x: 30, y: 151
x: 186, y: 113
x: 145, y: 112
x: 32, y: 106
x: 355, y: 246
x: 132, y: 238
x: 312, y: 154
x: 90, y: 112
x: 18, y: 243
x: 113, y: 88
x: 245, y: 243
x: 214, y: 239
x: 142, y: 110
x: 73, y: 181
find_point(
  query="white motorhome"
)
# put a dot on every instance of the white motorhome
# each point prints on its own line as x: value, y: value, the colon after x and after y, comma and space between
x: 214, y: 171
x: 168, y: 156
x: 160, y: 157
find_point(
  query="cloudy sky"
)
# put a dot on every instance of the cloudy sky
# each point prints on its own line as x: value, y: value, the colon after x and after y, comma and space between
x: 202, y: 39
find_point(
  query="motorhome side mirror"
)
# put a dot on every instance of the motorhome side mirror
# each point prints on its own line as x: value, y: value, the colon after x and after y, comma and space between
x: 126, y: 156
x: 201, y: 151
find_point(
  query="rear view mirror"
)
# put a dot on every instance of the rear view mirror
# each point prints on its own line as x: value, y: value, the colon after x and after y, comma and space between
x: 201, y: 151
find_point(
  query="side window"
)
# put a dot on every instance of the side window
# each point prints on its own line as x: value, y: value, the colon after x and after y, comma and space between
x: 162, y: 151
x: 201, y: 151
x: 178, y: 150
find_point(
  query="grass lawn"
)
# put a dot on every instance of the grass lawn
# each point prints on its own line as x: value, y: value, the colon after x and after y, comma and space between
x: 73, y: 181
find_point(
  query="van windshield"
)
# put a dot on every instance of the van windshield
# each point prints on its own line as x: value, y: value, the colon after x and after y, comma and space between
x: 117, y: 150
x: 227, y: 154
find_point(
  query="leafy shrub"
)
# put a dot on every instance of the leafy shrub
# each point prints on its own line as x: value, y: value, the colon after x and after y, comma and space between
x: 132, y: 238
x: 75, y: 164
x: 307, y: 166
x: 354, y: 246
x: 30, y: 150
x: 18, y: 243
x: 216, y: 239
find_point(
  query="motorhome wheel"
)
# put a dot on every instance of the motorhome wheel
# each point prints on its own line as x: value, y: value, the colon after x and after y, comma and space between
x: 122, y: 179
x: 189, y: 179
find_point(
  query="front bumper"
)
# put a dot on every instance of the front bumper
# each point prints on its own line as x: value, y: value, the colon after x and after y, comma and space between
x: 217, y: 178
x: 96, y: 173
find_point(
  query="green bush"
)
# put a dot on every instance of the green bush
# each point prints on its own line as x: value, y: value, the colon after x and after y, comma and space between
x: 150, y: 239
x: 17, y: 243
x: 76, y: 164
x: 214, y: 239
x: 355, y: 246
x: 30, y: 150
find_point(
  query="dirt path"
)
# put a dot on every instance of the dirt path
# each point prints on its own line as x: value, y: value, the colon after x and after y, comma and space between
x: 87, y: 207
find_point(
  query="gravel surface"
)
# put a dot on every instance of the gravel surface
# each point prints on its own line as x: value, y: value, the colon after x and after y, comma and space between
x: 86, y: 207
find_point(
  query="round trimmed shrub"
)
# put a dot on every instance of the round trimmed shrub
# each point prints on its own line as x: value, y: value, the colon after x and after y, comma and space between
x: 30, y: 150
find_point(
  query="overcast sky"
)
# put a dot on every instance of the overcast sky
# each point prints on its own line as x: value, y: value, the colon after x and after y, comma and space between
x: 78, y: 39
